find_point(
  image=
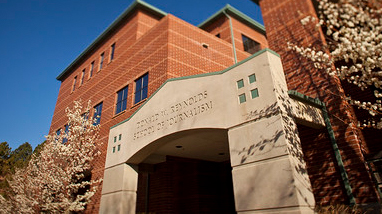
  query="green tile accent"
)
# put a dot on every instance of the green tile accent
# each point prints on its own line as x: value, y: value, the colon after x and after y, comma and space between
x: 120, y: 137
x: 242, y: 98
x: 114, y: 149
x: 240, y: 83
x: 254, y: 93
x: 252, y: 78
x: 119, y: 147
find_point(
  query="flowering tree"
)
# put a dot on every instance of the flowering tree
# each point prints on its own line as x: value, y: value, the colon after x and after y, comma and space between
x: 56, y: 181
x: 354, y: 48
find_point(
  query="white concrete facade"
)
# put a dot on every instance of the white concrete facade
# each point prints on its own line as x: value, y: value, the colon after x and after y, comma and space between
x: 269, y: 173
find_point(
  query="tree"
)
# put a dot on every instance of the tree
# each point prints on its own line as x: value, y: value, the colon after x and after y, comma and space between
x: 55, y: 181
x: 20, y: 157
x: 5, y: 152
x: 353, y: 51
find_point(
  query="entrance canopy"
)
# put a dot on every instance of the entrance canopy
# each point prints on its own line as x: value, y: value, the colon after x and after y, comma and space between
x: 246, y: 105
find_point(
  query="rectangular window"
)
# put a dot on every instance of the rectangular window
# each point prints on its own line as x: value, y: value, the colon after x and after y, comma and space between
x: 83, y: 75
x: 97, y: 114
x: 58, y: 132
x: 121, y: 100
x: 249, y: 45
x: 141, y: 88
x: 242, y: 98
x: 254, y: 93
x: 91, y: 69
x: 240, y: 84
x: 74, y: 83
x: 252, y: 78
x: 112, y: 52
x: 101, y: 60
x: 66, y: 132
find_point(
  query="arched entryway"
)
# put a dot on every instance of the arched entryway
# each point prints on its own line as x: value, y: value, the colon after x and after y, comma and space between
x: 188, y: 172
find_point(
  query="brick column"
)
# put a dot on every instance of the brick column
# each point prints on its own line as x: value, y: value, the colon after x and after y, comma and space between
x: 282, y: 23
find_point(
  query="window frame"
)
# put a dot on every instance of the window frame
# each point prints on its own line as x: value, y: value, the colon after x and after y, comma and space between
x: 97, y: 120
x: 91, y: 69
x: 112, y: 52
x: 121, y: 100
x: 74, y: 83
x: 141, y: 88
x: 102, y: 58
x: 83, y: 76
x: 249, y: 45
x: 66, y: 130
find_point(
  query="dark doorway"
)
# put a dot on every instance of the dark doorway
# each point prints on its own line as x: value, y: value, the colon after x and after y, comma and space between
x: 182, y: 185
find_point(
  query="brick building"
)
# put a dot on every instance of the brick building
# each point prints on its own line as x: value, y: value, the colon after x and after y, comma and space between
x: 211, y: 119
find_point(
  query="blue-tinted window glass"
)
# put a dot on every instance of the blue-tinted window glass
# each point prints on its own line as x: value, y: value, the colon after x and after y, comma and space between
x: 97, y: 114
x: 112, y: 52
x: 101, y: 61
x: 66, y: 132
x: 121, y: 100
x: 58, y: 132
x: 141, y: 88
x: 91, y: 69
x: 250, y: 45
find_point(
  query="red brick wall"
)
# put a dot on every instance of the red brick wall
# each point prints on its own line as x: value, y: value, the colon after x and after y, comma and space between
x: 222, y: 26
x: 165, y: 48
x: 282, y: 21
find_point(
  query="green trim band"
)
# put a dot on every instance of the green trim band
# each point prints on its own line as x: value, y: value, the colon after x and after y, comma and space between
x: 232, y: 37
x: 316, y: 102
x: 135, y: 5
x: 237, y: 14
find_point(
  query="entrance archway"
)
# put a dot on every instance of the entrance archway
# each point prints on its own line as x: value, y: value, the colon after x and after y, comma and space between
x: 188, y: 172
x: 257, y: 118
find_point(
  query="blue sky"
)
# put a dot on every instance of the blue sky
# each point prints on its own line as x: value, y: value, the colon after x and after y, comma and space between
x: 40, y: 38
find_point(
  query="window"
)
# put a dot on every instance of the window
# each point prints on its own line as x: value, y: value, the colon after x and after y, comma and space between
x: 83, y: 75
x: 218, y: 35
x: 97, y: 114
x: 121, y: 100
x: 91, y: 69
x: 141, y: 88
x: 101, y: 60
x: 252, y: 78
x: 66, y: 132
x: 249, y: 45
x: 74, y: 83
x: 242, y: 98
x: 112, y: 52
x: 240, y: 83
x: 58, y: 132
x: 254, y: 93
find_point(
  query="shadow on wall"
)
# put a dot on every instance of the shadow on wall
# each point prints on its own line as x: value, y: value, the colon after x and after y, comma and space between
x: 304, y: 78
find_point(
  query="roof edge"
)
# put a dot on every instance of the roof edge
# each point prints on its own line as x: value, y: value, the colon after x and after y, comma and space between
x: 238, y: 14
x: 256, y: 1
x: 132, y: 7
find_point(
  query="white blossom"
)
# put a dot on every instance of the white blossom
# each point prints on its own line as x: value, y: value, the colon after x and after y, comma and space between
x: 53, y: 182
x: 354, y: 37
